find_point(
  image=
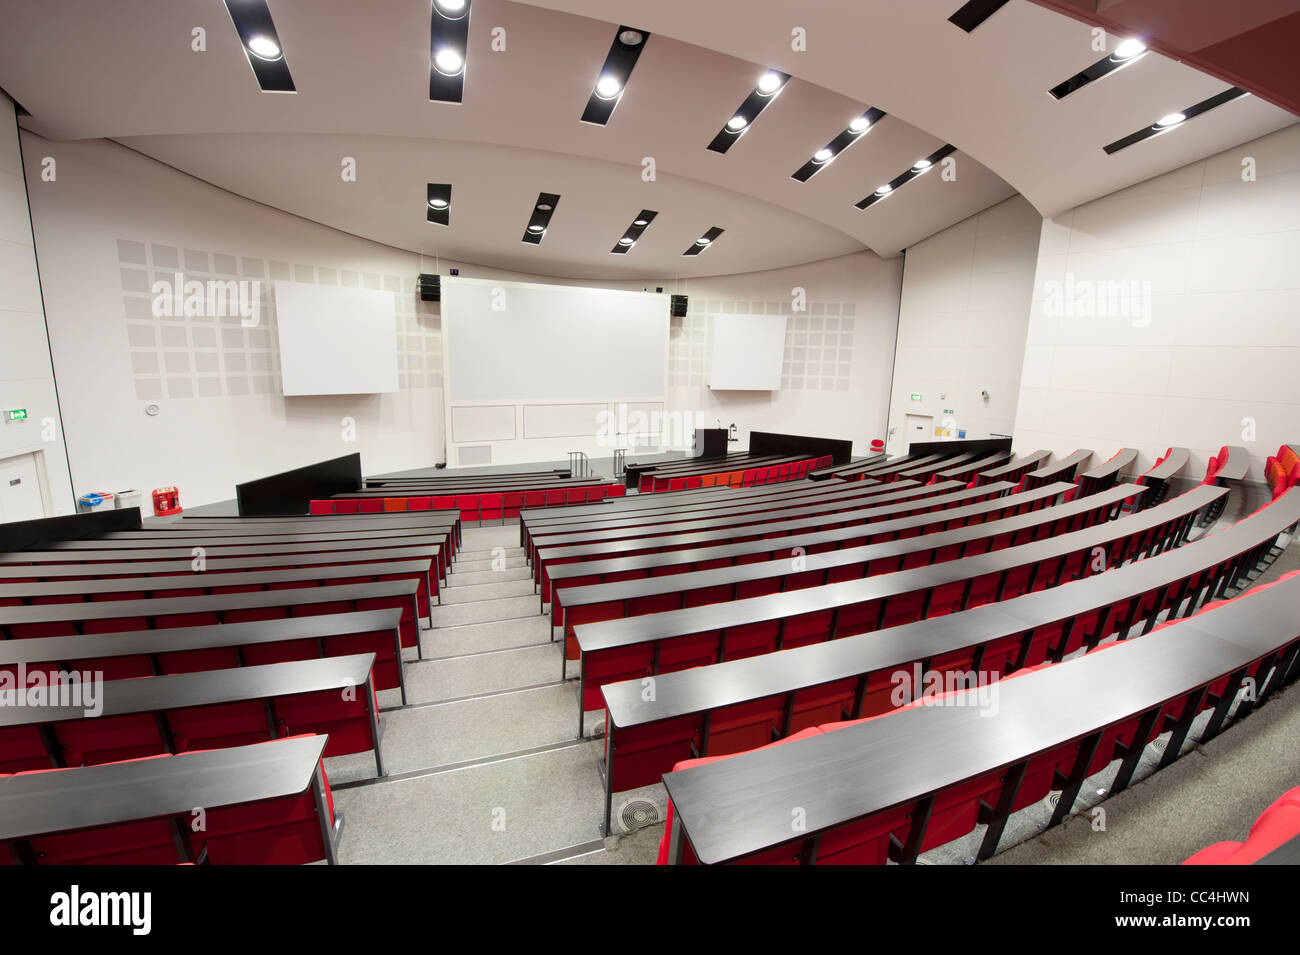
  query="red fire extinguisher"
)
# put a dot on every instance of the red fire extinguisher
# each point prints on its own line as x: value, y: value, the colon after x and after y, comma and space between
x: 166, y: 500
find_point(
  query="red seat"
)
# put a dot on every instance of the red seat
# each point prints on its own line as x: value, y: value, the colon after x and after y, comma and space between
x: 219, y: 726
x: 282, y: 831
x: 22, y: 749
x: 321, y: 507
x: 109, y: 739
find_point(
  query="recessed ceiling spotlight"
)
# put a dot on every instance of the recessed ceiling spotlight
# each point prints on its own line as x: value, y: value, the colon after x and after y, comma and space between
x: 1128, y: 49
x: 264, y: 47
x: 438, y: 203
x: 630, y: 37
x: 607, y: 87
x: 737, y: 123
x: 769, y: 83
x: 448, y: 62
x: 626, y: 240
x: 537, y: 229
x: 451, y: 9
x: 885, y: 190
x: 921, y: 165
x: 640, y: 222
x: 702, y: 241
x: 544, y: 207
x: 859, y: 125
x: 822, y: 155
x: 1173, y: 119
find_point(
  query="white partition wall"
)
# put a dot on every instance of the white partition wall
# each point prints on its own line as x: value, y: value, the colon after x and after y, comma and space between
x: 534, y: 371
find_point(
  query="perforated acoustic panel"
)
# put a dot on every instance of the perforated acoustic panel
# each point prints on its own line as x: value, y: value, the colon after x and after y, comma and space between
x: 208, y: 355
x: 818, y: 343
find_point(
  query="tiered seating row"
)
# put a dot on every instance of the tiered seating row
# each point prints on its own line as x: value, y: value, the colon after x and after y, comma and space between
x: 740, y: 528
x: 676, y: 639
x: 894, y: 786
x: 477, y: 506
x: 715, y: 475
x: 204, y: 710
x: 265, y: 804
x: 733, y: 706
x: 141, y: 653
x: 809, y: 536
x: 691, y: 588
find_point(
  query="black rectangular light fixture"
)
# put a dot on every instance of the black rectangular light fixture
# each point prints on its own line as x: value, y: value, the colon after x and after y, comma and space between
x: 540, y: 219
x: 639, y: 225
x: 1174, y: 120
x: 437, y: 205
x: 252, y: 20
x: 614, y: 74
x: 769, y: 87
x: 919, y: 168
x: 858, y: 128
x: 704, y: 241
x: 1126, y: 52
x: 448, y: 50
x: 975, y: 12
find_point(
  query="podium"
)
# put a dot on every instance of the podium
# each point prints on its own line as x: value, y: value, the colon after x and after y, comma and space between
x: 710, y: 443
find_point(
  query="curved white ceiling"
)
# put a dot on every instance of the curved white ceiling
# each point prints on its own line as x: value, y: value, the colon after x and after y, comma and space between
x: 125, y: 70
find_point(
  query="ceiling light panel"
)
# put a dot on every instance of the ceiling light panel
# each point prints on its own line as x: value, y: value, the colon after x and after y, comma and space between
x: 704, y: 242
x: 769, y: 86
x: 639, y: 225
x: 856, y: 129
x: 262, y: 47
x: 438, y: 203
x: 919, y: 168
x: 614, y: 74
x: 540, y: 219
x: 448, y: 50
x: 1126, y: 52
x: 976, y: 12
x: 1171, y: 121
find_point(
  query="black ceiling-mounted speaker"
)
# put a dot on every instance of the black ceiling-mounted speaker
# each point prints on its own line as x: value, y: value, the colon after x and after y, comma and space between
x: 429, y: 287
x: 677, y: 306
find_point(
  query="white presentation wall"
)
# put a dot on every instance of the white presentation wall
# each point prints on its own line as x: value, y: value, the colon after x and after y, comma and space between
x: 335, y: 340
x: 747, y: 352
x: 533, y: 371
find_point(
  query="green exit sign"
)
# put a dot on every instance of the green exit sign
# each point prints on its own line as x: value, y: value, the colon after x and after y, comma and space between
x: 915, y: 396
x: 17, y: 414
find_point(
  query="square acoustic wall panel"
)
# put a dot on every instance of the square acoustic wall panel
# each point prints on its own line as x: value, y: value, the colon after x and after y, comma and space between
x: 336, y: 341
x: 747, y: 352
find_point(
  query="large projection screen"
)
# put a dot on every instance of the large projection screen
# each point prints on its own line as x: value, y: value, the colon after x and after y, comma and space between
x: 509, y: 341
x: 747, y: 352
x: 336, y: 341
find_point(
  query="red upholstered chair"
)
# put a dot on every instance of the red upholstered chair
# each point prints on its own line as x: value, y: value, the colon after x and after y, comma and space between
x: 394, y: 504
x: 534, y: 499
x: 554, y: 497
x: 347, y: 507
x: 21, y: 750
x: 511, y: 504
x: 489, y: 508
x: 1277, y: 824
x: 268, y: 832
x: 372, y: 506
x: 444, y: 502
x: 321, y: 507
x: 419, y: 503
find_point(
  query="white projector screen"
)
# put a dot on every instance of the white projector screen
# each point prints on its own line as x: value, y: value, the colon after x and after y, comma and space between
x: 336, y: 341
x: 747, y: 352
x: 509, y: 341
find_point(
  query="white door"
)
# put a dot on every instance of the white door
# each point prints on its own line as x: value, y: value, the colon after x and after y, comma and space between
x: 918, y: 427
x: 20, y: 490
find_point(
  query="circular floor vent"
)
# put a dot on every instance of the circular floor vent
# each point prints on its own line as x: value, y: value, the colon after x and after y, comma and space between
x: 637, y: 814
